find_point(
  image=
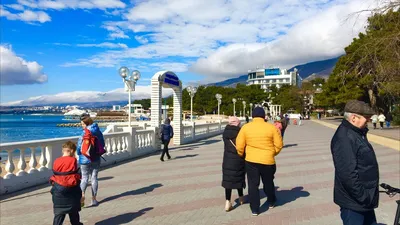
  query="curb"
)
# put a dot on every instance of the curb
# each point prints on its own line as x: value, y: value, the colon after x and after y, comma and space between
x: 387, y: 142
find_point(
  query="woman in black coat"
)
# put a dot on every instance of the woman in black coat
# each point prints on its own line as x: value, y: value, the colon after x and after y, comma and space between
x: 233, y: 166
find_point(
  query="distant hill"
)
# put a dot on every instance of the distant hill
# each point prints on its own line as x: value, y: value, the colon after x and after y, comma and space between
x: 318, y: 69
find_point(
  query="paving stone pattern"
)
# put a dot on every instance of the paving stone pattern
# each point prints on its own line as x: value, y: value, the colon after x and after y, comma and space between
x: 187, y: 189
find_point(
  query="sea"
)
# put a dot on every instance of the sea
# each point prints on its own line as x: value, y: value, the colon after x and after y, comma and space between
x: 16, y: 128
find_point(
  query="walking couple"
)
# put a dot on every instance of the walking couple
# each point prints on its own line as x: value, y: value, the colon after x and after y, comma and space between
x: 252, y: 150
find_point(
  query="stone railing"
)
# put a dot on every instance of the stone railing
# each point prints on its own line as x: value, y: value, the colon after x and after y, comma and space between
x: 30, y: 163
x: 23, y: 169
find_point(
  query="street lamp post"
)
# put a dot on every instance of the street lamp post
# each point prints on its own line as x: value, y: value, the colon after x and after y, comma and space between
x: 251, y: 108
x: 234, y: 103
x: 218, y: 97
x: 192, y: 91
x: 244, y: 108
x: 130, y: 83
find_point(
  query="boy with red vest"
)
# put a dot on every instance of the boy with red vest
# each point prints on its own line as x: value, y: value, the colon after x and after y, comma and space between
x: 66, y: 192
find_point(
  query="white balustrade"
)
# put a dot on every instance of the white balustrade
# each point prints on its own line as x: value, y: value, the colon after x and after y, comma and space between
x: 120, y: 146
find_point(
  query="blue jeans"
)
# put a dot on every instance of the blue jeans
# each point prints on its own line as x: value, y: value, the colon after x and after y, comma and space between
x: 350, y: 217
x: 87, y: 170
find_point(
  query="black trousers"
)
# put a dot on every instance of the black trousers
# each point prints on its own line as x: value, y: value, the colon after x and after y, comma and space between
x: 350, y: 217
x: 381, y: 123
x: 73, y: 217
x: 267, y: 173
x: 228, y: 193
x: 165, y: 150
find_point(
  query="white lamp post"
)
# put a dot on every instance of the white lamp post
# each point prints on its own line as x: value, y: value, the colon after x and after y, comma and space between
x: 251, y: 108
x: 192, y: 91
x: 234, y: 103
x: 130, y: 83
x: 244, y: 108
x: 218, y: 97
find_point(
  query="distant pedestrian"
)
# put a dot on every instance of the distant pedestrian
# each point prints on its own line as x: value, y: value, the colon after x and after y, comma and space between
x: 374, y: 120
x: 90, y: 166
x: 389, y: 119
x: 356, y: 168
x: 233, y: 166
x: 284, y: 122
x: 300, y: 119
x: 65, y: 190
x: 259, y: 142
x: 381, y: 119
x: 278, y: 125
x: 247, y: 119
x: 166, y: 134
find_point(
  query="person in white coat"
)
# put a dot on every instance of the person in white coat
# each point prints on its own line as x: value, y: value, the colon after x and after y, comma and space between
x: 381, y: 119
x: 374, y: 119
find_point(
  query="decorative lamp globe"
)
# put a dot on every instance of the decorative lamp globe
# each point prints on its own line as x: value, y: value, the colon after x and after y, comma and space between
x: 123, y: 72
x: 136, y: 75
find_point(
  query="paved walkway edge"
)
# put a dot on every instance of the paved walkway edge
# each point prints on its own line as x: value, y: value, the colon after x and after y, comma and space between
x: 387, y: 142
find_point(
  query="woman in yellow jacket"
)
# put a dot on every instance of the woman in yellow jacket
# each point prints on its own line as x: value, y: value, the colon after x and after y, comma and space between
x: 259, y: 142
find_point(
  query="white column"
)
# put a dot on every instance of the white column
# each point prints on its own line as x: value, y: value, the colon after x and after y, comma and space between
x: 177, y: 121
x: 155, y: 103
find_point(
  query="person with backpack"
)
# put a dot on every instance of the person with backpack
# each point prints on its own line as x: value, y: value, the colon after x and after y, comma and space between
x: 65, y: 190
x: 90, y: 148
x: 166, y: 134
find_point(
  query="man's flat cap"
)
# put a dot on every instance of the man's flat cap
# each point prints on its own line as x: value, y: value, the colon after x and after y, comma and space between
x: 359, y: 107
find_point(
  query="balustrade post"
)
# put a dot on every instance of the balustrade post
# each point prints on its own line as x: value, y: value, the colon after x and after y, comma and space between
x: 32, y: 161
x: 21, y: 163
x: 131, y: 142
x: 193, y: 130
x: 10, y: 165
x: 219, y: 126
x: 43, y: 159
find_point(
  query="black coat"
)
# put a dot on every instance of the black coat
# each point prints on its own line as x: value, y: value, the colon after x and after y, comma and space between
x: 356, y: 169
x: 233, y: 167
x: 66, y: 200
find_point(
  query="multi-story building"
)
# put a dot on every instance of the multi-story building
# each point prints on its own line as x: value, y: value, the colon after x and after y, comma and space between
x: 273, y: 77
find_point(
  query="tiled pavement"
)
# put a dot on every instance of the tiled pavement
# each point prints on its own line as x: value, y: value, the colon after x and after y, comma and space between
x: 186, y: 190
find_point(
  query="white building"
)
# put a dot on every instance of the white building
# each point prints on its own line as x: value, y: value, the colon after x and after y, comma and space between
x: 116, y: 108
x: 273, y: 77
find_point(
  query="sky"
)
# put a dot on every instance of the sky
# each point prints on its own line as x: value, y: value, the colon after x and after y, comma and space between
x: 58, y: 51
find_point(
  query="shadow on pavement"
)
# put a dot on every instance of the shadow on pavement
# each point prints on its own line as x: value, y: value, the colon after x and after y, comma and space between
x: 289, y: 145
x: 124, y: 218
x: 284, y: 197
x: 105, y: 178
x: 139, y: 191
x: 185, y: 156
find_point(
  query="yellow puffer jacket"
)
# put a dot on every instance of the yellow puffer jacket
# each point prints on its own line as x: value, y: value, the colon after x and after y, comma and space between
x: 260, y: 141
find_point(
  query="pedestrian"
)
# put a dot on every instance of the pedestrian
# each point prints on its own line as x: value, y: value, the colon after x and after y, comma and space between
x: 374, y: 120
x: 300, y: 119
x: 166, y: 134
x: 278, y: 125
x: 259, y: 142
x: 247, y: 119
x: 389, y: 119
x: 233, y: 166
x: 65, y: 190
x: 284, y: 123
x: 356, y: 168
x: 90, y: 166
x: 381, y: 119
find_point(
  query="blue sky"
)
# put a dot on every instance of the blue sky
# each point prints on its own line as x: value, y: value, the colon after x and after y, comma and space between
x: 51, y: 50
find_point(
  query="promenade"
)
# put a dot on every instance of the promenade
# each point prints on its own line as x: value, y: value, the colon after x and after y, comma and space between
x: 186, y: 190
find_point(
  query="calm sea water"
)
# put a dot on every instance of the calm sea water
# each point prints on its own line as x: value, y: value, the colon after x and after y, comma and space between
x: 15, y: 128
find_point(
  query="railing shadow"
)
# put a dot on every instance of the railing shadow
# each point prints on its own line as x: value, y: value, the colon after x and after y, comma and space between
x: 185, y: 156
x: 289, y: 145
x: 105, y: 178
x: 139, y: 191
x: 124, y: 218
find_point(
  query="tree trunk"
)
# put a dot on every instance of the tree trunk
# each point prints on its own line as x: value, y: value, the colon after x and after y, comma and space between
x: 372, y: 98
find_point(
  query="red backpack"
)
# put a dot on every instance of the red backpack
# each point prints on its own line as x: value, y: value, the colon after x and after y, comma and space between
x: 91, y: 146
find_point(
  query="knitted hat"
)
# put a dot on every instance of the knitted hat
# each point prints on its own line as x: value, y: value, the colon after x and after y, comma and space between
x: 234, y: 121
x: 258, y: 112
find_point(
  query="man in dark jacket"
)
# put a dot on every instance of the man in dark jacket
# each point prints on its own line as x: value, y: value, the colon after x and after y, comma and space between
x: 356, y: 168
x: 166, y: 133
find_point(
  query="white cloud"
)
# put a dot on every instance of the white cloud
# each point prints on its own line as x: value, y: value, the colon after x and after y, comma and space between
x: 141, y: 39
x: 104, y: 45
x: 322, y: 36
x: 15, y: 6
x: 73, y: 4
x: 26, y: 15
x: 171, y: 66
x: 119, y: 94
x: 15, y: 70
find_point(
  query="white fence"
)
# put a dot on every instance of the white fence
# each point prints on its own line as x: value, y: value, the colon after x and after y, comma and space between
x: 23, y: 169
